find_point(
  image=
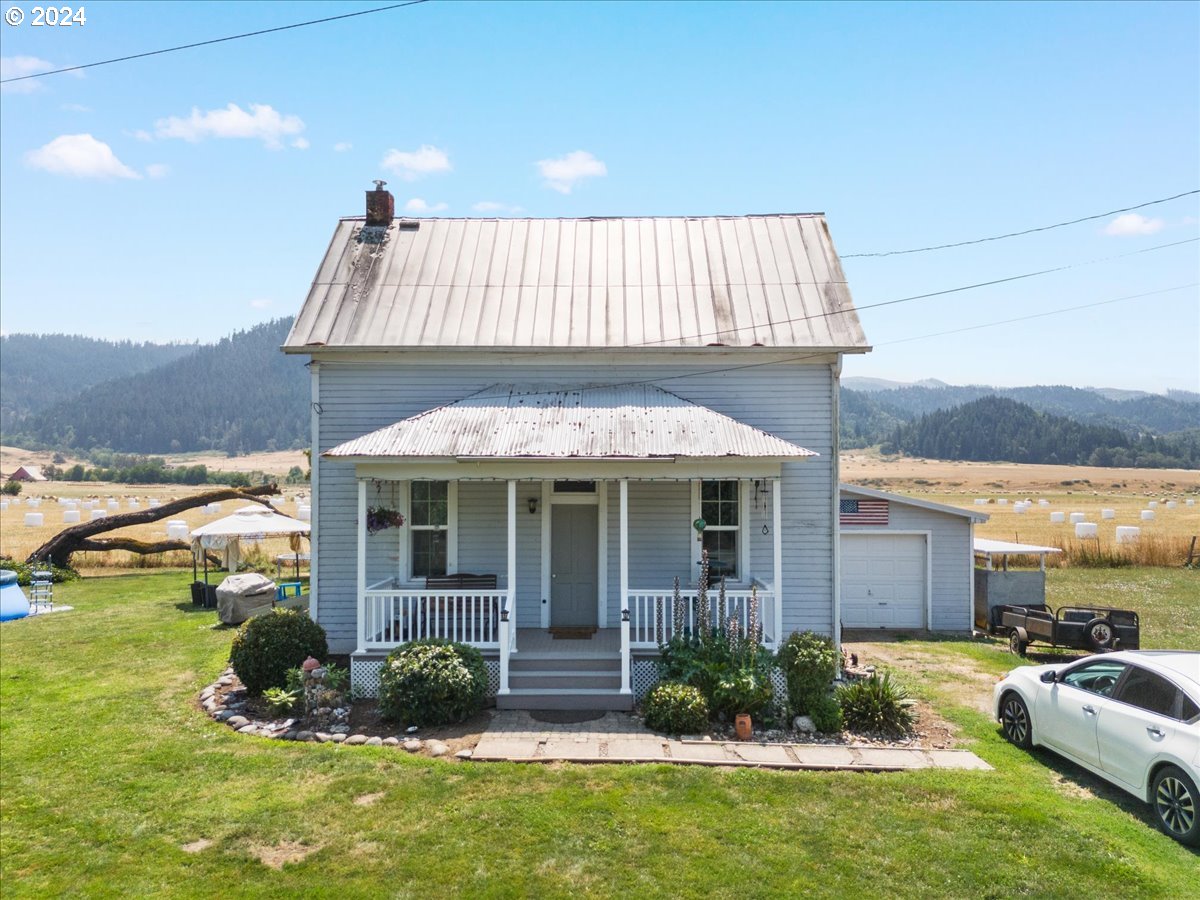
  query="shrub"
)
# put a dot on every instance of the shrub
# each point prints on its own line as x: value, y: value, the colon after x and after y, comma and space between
x: 431, y: 682
x: 11, y: 488
x: 268, y: 645
x: 875, y: 704
x: 809, y: 661
x: 25, y: 571
x: 675, y: 708
x: 823, y: 709
x: 745, y: 690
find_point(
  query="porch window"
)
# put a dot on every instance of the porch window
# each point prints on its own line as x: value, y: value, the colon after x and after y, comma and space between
x: 719, y: 508
x: 429, y: 525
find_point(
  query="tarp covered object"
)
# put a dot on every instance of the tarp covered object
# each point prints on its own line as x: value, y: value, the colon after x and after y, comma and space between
x: 240, y: 597
x: 250, y: 523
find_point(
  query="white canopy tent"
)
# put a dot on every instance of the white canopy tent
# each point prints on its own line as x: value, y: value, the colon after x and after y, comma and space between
x: 250, y: 523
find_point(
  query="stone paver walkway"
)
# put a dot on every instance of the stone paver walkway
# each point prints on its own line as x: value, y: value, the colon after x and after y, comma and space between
x: 515, y: 736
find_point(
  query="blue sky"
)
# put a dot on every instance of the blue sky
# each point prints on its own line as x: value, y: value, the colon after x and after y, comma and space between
x: 186, y: 195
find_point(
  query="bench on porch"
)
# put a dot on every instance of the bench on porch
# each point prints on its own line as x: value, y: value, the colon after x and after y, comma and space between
x: 463, y: 580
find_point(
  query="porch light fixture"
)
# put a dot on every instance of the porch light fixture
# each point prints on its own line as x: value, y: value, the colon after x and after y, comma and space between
x: 533, y: 504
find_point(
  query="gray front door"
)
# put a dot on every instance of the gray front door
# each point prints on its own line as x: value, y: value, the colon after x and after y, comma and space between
x: 573, y: 569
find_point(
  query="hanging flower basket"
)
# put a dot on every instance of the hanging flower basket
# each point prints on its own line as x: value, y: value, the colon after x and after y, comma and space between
x: 380, y: 518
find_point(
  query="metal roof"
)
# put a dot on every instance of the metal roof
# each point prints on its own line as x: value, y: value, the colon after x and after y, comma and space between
x: 913, y: 501
x: 772, y: 281
x: 507, y: 421
x: 989, y: 548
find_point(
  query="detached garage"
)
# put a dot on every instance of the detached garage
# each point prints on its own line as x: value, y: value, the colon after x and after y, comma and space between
x: 905, y: 563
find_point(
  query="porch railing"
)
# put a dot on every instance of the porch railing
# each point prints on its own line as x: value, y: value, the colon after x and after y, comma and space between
x: 394, y: 616
x: 652, y: 614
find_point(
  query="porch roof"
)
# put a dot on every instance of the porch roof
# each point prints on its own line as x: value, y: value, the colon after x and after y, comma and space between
x: 623, y: 422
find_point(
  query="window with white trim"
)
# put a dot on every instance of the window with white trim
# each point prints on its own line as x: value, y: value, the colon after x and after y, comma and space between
x: 720, y: 508
x: 429, y: 527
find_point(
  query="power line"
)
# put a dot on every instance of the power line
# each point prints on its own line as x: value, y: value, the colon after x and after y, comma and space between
x: 1053, y: 312
x: 1000, y: 237
x: 966, y: 287
x: 233, y: 37
x: 819, y: 353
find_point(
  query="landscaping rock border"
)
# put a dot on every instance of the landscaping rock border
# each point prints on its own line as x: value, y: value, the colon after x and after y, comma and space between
x: 225, y: 701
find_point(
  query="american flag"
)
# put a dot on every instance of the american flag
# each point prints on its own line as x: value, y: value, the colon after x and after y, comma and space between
x: 864, y: 512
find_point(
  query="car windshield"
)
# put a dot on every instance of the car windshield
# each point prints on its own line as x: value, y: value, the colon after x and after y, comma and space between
x: 1097, y: 676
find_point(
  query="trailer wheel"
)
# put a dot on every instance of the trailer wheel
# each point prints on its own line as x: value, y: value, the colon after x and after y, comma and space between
x: 1100, y: 634
x: 1017, y: 641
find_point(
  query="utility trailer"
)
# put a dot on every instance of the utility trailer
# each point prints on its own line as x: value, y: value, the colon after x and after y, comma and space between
x: 1095, y: 628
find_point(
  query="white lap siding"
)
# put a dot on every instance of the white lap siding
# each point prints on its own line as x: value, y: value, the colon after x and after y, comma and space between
x: 793, y: 402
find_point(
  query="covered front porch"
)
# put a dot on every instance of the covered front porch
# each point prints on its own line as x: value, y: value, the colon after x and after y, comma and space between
x: 563, y: 570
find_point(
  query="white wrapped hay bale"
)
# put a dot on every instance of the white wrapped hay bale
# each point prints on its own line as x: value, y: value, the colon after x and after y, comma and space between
x: 981, y: 501
x: 1002, y: 501
x: 1128, y: 534
x: 113, y: 505
x: 1147, y: 515
x: 1153, y: 504
x: 304, y: 513
x: 70, y: 516
x: 98, y: 514
x: 33, y: 520
x: 155, y: 503
x: 1191, y: 503
x: 3, y: 506
x: 177, y: 530
x: 212, y: 509
x: 1058, y: 517
x: 1043, y: 502
x: 1077, y: 517
x: 35, y: 502
x: 1108, y: 513
x: 134, y: 503
x: 1086, y: 530
x: 1171, y: 504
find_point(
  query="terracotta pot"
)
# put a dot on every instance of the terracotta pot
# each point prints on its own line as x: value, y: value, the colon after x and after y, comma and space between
x: 743, y: 727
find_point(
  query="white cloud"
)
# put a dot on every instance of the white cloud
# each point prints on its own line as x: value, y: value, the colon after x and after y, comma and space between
x: 423, y: 161
x: 260, y: 303
x: 563, y: 173
x: 17, y: 66
x: 301, y: 143
x: 342, y: 146
x: 261, y: 123
x: 1133, y: 223
x: 76, y: 107
x: 141, y: 134
x: 81, y: 156
x: 491, y: 206
x: 158, y: 170
x: 417, y: 205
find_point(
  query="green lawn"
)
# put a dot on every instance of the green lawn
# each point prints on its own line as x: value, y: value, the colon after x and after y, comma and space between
x: 109, y: 769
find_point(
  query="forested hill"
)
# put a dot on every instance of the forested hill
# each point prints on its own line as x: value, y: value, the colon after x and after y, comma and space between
x: 1000, y: 429
x: 238, y: 395
x: 1130, y: 411
x: 39, y: 370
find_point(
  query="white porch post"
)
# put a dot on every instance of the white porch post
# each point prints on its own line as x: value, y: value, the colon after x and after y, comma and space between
x: 626, y: 655
x: 362, y: 565
x: 777, y: 534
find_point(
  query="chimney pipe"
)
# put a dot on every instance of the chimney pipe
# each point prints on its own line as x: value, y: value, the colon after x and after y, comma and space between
x: 381, y: 205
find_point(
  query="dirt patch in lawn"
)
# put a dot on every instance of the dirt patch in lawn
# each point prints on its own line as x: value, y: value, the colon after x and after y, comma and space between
x: 196, y: 846
x: 282, y: 853
x: 958, y: 678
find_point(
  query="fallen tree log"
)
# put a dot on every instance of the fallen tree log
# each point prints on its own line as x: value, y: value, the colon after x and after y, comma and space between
x: 81, y: 537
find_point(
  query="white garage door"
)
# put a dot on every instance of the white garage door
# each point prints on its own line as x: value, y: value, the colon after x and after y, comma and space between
x: 883, y: 580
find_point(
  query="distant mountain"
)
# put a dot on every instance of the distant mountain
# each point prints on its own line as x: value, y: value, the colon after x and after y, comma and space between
x: 1135, y: 414
x: 1000, y: 429
x: 39, y: 370
x: 860, y: 383
x: 238, y: 395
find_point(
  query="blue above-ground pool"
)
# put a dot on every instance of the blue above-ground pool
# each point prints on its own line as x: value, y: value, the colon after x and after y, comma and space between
x: 13, y: 604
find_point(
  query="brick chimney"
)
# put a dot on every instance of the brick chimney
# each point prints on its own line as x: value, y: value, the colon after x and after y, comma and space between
x: 381, y: 205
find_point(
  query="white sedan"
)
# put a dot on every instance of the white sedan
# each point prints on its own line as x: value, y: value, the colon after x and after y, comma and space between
x: 1131, y: 717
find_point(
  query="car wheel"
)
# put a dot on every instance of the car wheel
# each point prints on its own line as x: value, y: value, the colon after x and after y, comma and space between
x: 1176, y: 805
x: 1100, y: 634
x: 1014, y: 720
x: 1016, y: 643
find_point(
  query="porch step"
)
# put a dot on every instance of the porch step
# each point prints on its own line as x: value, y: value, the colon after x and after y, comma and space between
x: 520, y: 663
x: 564, y: 698
x: 567, y: 678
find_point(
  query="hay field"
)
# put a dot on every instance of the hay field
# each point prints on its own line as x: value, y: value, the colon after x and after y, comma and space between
x: 18, y: 540
x: 275, y: 463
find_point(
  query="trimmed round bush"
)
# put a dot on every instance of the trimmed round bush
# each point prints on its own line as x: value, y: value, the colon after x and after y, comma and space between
x: 431, y: 682
x: 266, y: 646
x: 809, y: 661
x: 675, y: 708
x: 826, y: 714
x: 876, y: 704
